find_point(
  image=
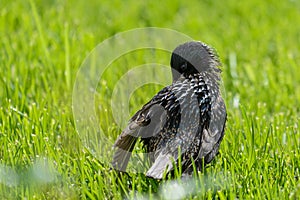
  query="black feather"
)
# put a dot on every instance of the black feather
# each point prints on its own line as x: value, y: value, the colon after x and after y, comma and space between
x: 190, y: 114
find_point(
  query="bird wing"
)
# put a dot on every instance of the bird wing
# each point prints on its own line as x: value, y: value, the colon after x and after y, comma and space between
x: 212, y: 136
x: 145, y: 123
x: 181, y: 129
x: 207, y: 146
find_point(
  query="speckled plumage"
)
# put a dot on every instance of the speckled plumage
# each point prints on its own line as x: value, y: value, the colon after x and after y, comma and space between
x: 189, y: 115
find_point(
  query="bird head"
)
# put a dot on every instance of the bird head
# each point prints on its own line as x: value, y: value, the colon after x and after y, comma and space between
x: 192, y: 58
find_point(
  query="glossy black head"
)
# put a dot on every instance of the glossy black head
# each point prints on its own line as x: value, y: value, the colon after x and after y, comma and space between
x: 193, y: 57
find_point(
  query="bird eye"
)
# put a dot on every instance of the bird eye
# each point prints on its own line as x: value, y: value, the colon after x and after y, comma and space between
x: 183, y: 67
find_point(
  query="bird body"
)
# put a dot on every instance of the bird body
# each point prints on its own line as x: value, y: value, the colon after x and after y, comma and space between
x: 183, y: 121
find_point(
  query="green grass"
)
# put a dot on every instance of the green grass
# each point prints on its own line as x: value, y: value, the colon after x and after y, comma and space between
x: 43, y: 43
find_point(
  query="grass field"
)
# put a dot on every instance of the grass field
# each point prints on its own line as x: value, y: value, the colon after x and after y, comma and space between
x: 43, y: 44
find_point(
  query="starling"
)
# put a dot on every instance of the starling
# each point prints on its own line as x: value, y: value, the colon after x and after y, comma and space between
x: 184, y: 122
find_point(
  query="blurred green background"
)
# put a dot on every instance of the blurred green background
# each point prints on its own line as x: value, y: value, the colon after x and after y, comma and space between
x: 43, y: 44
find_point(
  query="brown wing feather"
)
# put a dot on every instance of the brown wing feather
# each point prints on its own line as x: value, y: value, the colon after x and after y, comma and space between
x: 145, y: 123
